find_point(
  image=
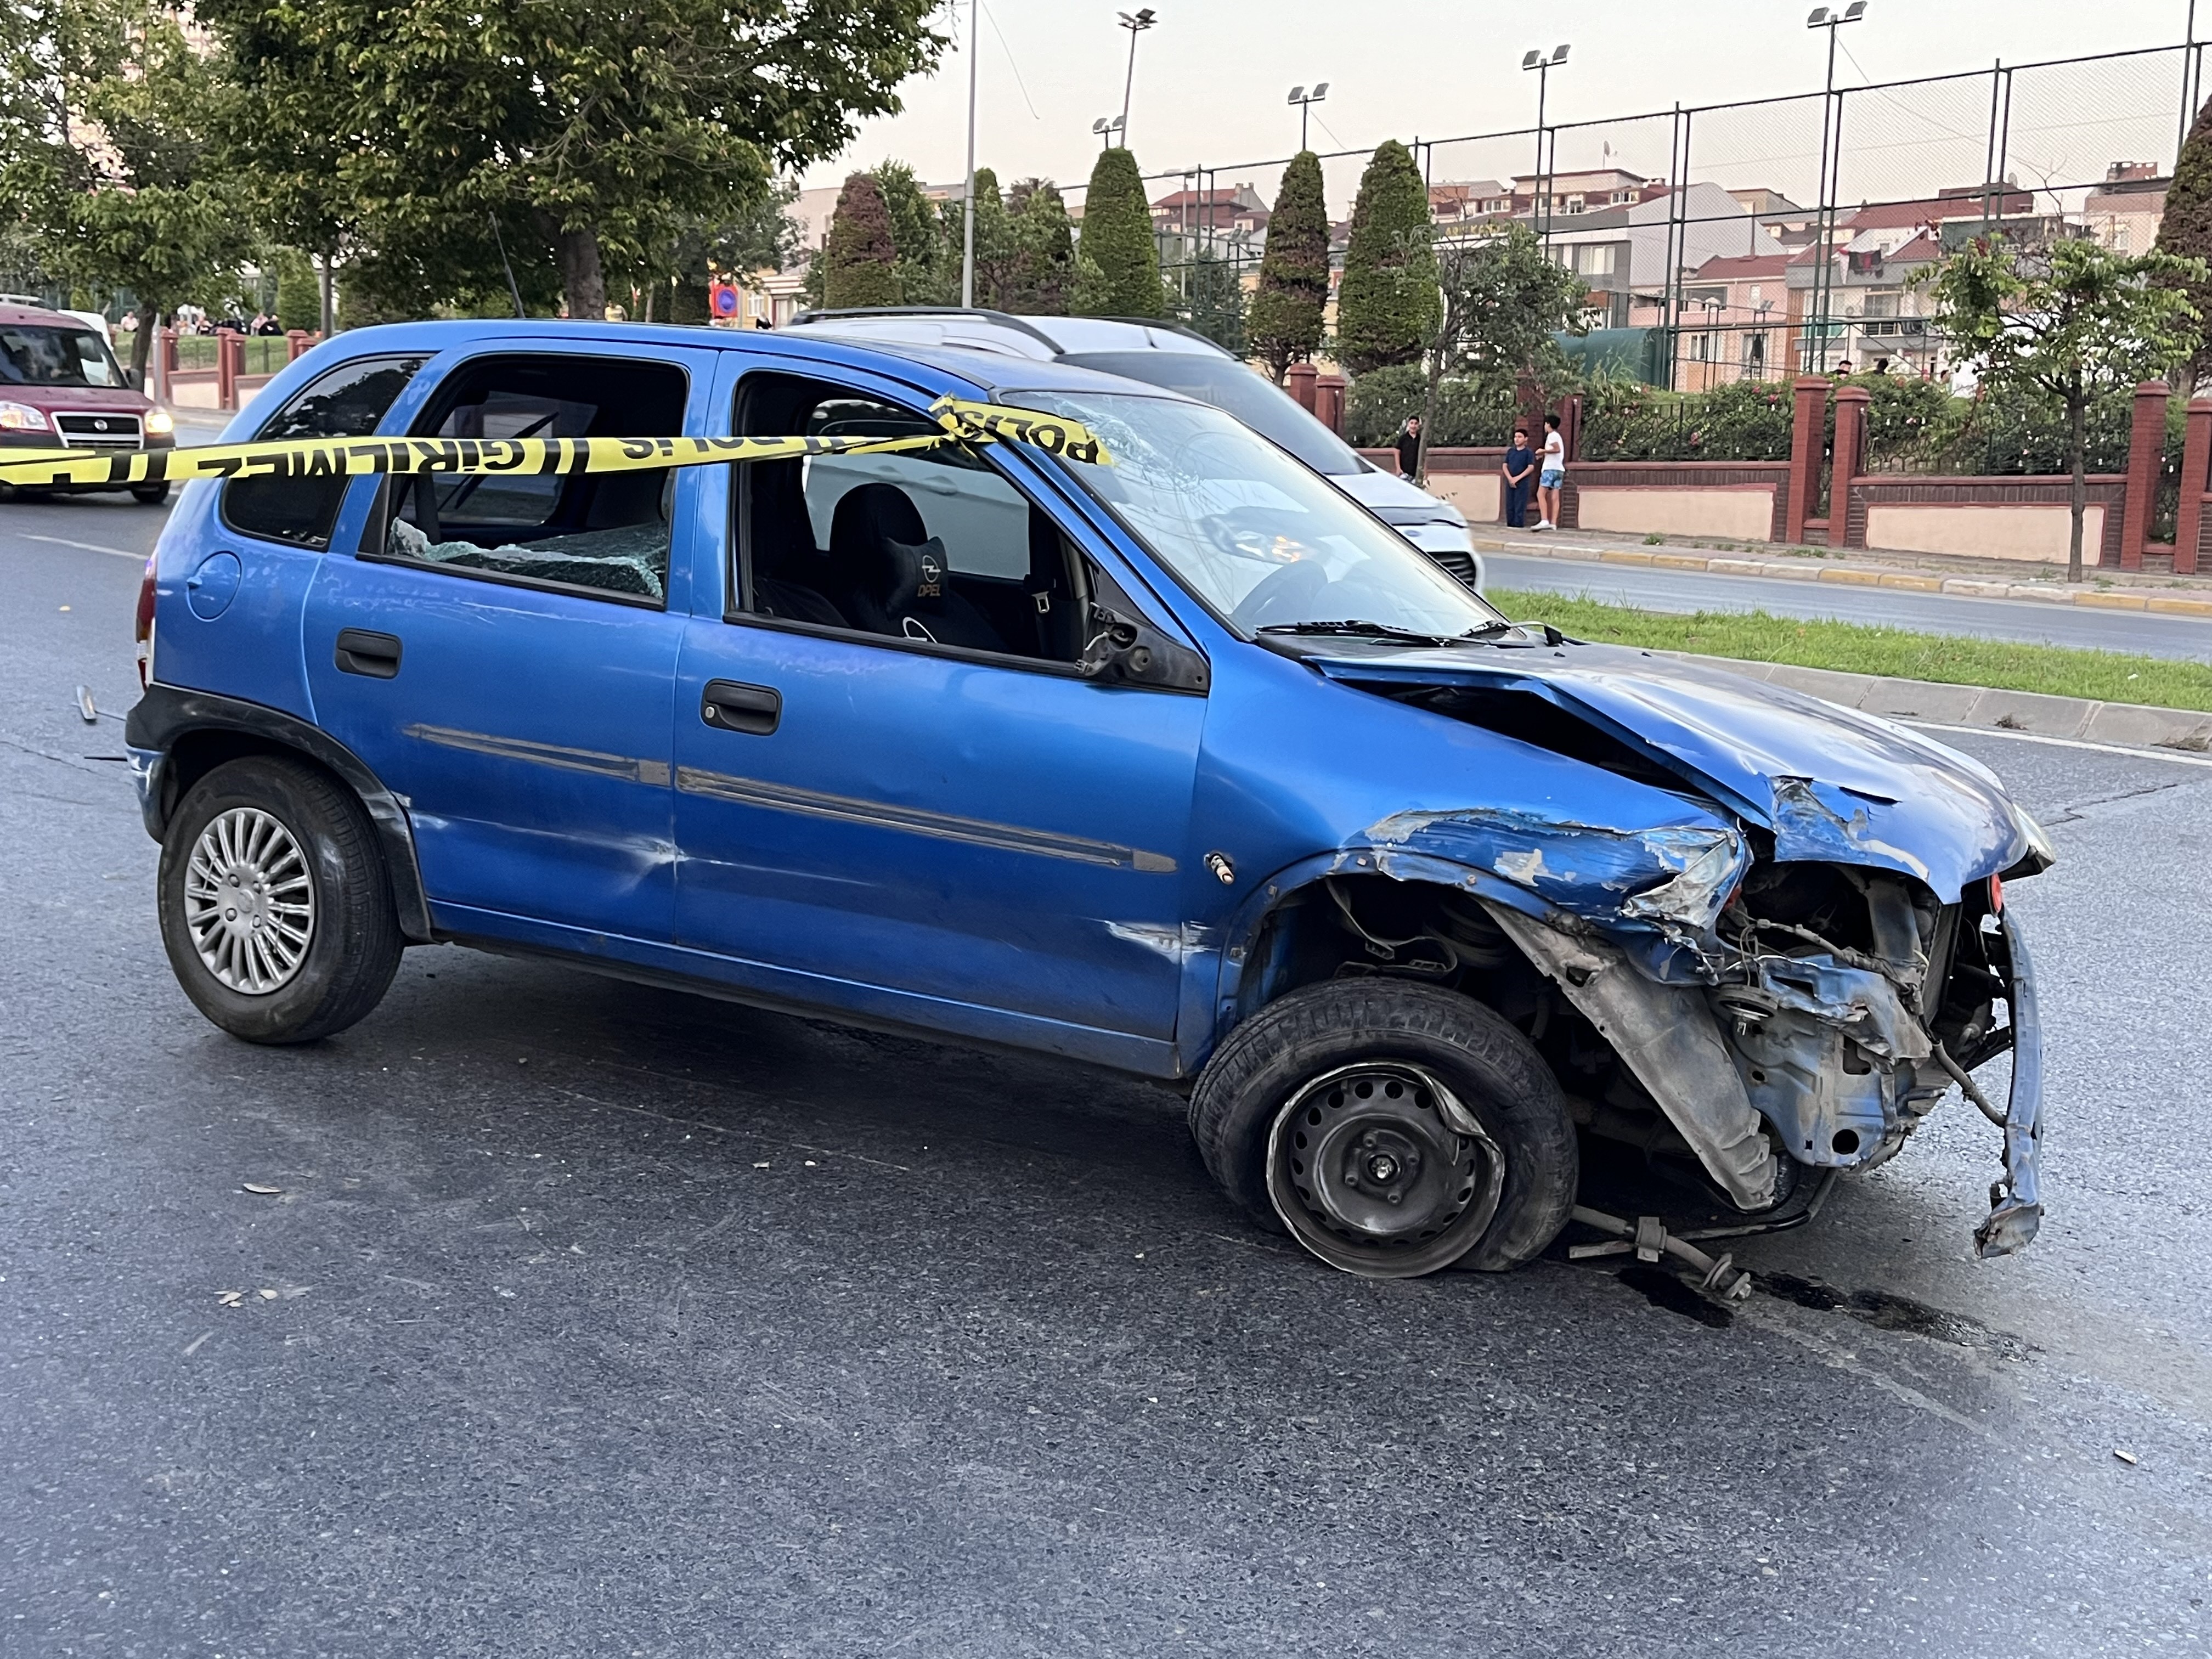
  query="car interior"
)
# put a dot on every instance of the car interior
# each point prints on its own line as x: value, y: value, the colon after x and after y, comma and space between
x: 606, y: 532
x: 934, y: 546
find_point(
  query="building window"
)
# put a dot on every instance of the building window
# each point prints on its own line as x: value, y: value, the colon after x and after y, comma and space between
x: 1754, y: 351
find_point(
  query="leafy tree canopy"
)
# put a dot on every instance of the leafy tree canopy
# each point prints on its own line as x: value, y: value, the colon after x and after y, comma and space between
x: 2186, y: 232
x: 2072, y: 321
x: 860, y: 265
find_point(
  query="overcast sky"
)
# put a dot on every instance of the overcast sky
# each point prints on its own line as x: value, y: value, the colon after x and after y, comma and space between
x: 1211, y: 76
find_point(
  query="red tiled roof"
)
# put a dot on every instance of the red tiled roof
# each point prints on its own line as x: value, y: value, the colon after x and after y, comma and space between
x: 1740, y: 267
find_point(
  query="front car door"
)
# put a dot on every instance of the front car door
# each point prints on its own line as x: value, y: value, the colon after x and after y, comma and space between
x: 896, y: 793
x: 500, y: 650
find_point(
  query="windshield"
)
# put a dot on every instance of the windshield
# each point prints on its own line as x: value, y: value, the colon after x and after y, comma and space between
x: 1227, y: 384
x: 56, y: 356
x: 1266, y: 542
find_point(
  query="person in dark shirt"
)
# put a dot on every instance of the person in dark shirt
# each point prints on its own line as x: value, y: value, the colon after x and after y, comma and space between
x: 1519, y: 472
x: 1409, y: 446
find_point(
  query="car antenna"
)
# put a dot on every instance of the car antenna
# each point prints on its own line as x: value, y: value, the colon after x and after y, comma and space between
x: 501, y: 241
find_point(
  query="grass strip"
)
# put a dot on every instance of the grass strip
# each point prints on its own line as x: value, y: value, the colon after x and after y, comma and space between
x: 1861, y: 648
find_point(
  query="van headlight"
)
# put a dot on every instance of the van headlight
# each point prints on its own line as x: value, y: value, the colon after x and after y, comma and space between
x: 22, y: 417
x: 160, y: 423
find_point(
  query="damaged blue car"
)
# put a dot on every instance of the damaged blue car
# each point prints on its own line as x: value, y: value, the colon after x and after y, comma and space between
x: 1176, y: 761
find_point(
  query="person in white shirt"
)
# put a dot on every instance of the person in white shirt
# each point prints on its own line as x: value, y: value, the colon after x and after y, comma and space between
x: 1554, y: 474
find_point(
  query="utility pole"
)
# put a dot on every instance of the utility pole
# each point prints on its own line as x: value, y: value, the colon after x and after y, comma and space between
x: 1538, y: 62
x: 968, y: 211
x: 1136, y: 26
x: 1823, y: 271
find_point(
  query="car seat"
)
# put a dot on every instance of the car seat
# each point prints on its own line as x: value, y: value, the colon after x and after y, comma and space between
x: 892, y: 575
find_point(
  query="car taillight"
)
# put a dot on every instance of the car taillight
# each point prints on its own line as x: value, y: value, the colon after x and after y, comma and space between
x: 145, y: 630
x: 1997, y: 895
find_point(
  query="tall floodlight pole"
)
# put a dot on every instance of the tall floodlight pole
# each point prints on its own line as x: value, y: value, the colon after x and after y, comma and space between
x: 2188, y: 66
x: 1823, y: 271
x: 968, y: 211
x: 1136, y: 26
x: 1305, y: 101
x: 1106, y: 126
x: 1538, y: 62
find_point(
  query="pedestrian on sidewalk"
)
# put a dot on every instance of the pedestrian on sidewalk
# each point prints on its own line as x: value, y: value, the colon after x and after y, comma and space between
x: 1553, y: 475
x: 1520, y: 475
x: 1409, y: 447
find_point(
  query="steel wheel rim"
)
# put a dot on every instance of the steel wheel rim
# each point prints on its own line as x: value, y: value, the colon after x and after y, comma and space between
x: 249, y: 901
x: 1338, y: 1149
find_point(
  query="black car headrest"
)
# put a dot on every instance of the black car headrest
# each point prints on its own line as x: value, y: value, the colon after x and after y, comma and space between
x: 870, y: 522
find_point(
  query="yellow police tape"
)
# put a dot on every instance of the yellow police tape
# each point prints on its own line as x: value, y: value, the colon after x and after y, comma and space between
x: 961, y: 421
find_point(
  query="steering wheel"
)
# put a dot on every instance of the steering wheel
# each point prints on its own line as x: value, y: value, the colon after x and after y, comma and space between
x: 1286, y: 594
x: 1257, y: 533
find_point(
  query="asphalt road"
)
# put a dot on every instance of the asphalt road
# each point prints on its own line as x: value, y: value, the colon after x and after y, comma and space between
x: 591, y: 1319
x: 2027, y: 620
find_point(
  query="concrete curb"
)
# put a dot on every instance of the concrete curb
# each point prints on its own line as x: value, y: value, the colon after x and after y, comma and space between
x: 1803, y: 570
x: 2132, y: 726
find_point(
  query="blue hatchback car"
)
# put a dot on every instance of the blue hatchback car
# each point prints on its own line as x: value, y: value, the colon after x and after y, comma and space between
x: 1184, y: 765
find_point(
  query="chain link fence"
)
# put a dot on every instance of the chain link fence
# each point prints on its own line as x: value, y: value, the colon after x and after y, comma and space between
x: 1762, y: 238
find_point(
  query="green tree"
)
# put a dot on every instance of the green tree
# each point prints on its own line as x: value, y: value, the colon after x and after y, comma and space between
x: 860, y: 265
x: 299, y: 296
x: 1212, y: 303
x: 2185, y: 231
x: 1287, y: 313
x: 593, y: 132
x: 1386, y: 310
x: 917, y: 237
x: 1042, y: 280
x: 1501, y: 306
x: 996, y: 254
x: 1119, y: 273
x: 2071, y: 321
x: 130, y: 198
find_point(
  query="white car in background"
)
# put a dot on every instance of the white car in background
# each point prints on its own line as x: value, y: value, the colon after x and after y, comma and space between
x: 1174, y: 359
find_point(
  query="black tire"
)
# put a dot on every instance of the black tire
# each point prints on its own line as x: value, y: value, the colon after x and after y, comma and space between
x: 1276, y: 1059
x: 352, y: 939
x: 152, y: 495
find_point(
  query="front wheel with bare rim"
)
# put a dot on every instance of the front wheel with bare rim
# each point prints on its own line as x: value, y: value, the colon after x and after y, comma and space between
x: 1390, y: 1126
x: 276, y: 910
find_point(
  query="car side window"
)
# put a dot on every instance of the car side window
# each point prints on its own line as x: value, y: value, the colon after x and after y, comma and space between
x: 932, y: 547
x: 603, y: 534
x: 348, y: 402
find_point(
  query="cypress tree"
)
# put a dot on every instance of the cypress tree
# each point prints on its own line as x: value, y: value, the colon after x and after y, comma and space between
x: 2186, y: 229
x: 299, y: 294
x: 917, y: 240
x: 1285, y: 323
x: 1044, y: 249
x: 1121, y: 276
x: 858, y: 260
x: 1386, y: 310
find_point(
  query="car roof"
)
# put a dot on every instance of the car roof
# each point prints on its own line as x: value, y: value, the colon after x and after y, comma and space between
x: 40, y: 316
x: 1037, y: 338
x: 988, y: 371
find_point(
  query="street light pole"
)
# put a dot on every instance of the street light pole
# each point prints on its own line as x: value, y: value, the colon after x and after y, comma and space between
x: 967, y: 212
x: 1823, y: 271
x: 1136, y: 26
x: 1537, y: 61
x: 1305, y: 101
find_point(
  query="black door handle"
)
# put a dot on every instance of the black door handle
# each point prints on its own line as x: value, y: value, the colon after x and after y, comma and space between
x: 735, y: 707
x: 360, y: 651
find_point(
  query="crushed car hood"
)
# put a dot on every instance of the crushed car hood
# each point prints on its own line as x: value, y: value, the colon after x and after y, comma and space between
x: 1831, y: 784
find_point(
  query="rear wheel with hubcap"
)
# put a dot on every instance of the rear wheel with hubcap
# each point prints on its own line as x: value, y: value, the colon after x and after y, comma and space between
x: 1392, y: 1127
x: 276, y: 910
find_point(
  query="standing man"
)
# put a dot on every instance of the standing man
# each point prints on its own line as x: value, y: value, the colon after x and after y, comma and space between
x: 1519, y: 472
x: 1553, y: 475
x: 1409, y: 447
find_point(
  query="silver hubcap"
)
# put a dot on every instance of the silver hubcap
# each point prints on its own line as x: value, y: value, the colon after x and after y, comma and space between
x: 249, y: 900
x: 1378, y: 1169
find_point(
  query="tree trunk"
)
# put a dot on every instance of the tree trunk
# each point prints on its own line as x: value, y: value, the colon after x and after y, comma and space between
x: 330, y: 299
x: 1428, y: 417
x: 581, y: 278
x: 2077, y: 445
x: 142, y: 343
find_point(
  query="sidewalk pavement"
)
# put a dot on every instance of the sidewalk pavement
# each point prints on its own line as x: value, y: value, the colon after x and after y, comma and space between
x: 1925, y: 573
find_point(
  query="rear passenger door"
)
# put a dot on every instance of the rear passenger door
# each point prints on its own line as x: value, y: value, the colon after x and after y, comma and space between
x: 501, y: 650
